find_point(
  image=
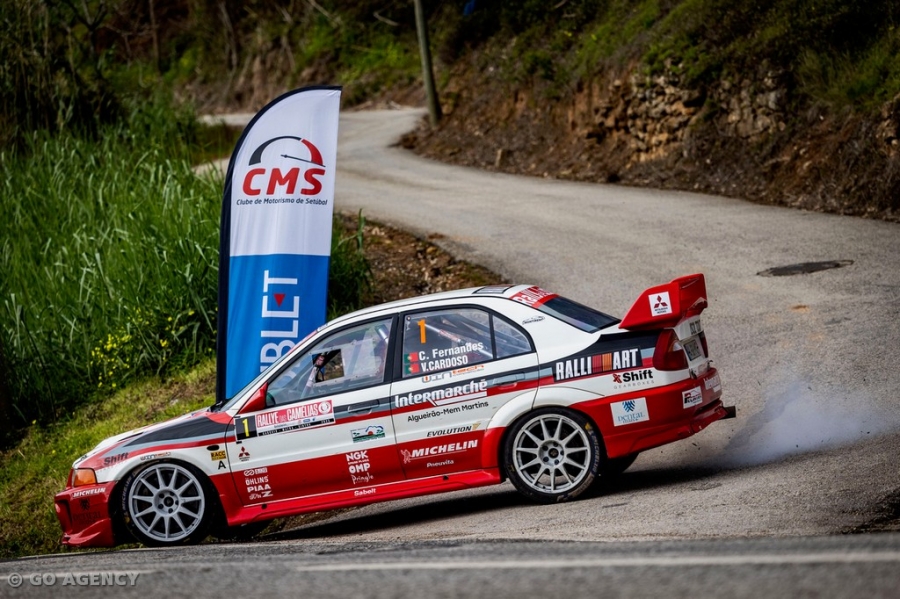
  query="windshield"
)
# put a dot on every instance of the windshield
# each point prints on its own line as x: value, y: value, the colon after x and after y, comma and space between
x: 255, y: 382
x: 577, y: 315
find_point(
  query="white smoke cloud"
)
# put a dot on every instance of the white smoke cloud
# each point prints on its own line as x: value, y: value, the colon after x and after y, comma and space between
x: 797, y: 419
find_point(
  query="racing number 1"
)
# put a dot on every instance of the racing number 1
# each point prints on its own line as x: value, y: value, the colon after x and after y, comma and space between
x: 421, y: 324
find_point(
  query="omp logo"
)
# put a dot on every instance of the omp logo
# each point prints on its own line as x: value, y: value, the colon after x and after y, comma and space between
x: 278, y: 180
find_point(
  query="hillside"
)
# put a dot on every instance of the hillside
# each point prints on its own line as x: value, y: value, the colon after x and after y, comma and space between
x: 793, y: 102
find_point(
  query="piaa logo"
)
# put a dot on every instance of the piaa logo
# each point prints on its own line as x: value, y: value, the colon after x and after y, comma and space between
x: 284, y: 179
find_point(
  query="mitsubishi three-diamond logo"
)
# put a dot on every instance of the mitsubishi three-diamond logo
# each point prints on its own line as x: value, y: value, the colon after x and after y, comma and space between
x: 660, y: 304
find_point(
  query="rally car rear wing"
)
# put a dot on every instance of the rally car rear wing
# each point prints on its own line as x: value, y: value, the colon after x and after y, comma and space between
x: 664, y: 306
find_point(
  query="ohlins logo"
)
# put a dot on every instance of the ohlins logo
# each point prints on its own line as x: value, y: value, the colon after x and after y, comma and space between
x: 281, y: 180
x: 587, y: 365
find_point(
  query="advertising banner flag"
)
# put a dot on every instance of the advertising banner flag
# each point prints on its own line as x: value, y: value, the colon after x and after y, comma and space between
x: 275, y: 240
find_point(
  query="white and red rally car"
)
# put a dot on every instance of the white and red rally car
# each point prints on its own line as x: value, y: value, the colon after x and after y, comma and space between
x: 431, y: 394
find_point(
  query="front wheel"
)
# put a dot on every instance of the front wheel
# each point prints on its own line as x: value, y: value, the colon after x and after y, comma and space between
x: 166, y: 504
x: 552, y: 455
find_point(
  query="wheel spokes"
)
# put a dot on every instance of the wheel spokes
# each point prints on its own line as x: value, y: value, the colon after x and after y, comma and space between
x: 163, y: 515
x: 551, y: 453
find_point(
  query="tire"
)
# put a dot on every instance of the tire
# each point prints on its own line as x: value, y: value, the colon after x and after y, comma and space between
x: 613, y: 467
x: 165, y: 504
x: 552, y: 455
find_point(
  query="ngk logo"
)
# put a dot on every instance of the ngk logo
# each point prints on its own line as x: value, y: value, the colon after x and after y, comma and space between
x: 282, y: 179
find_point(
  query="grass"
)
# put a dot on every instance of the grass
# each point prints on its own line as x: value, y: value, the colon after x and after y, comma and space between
x: 109, y: 263
x: 36, y: 469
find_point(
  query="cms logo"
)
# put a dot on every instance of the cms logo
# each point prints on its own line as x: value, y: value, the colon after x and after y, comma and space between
x: 271, y: 180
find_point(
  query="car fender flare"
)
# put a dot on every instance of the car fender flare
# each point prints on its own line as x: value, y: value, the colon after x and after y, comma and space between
x: 549, y: 397
x: 502, y: 418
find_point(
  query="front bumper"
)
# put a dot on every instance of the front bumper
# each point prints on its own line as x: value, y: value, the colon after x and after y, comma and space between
x: 84, y: 515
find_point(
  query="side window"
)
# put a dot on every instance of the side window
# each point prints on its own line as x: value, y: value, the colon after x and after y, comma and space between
x: 347, y: 360
x: 510, y: 341
x: 445, y: 339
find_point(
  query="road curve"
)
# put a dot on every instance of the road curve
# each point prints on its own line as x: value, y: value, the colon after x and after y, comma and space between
x: 807, y: 359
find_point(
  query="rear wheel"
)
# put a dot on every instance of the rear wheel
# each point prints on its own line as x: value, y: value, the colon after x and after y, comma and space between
x: 166, y: 504
x: 552, y: 455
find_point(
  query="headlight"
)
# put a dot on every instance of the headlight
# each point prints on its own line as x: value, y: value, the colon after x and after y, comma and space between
x: 83, y: 476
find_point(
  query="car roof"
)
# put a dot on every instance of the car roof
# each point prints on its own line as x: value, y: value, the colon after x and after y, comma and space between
x: 505, y: 291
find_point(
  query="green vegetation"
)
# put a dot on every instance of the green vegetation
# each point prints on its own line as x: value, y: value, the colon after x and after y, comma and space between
x: 838, y: 53
x: 109, y: 263
x: 109, y: 241
x: 36, y: 469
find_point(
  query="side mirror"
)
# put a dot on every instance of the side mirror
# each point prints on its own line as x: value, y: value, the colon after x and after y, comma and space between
x: 259, y: 400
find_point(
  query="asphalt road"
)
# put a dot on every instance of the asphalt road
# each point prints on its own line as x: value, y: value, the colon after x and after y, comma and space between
x: 748, y: 507
x: 809, y: 360
x: 859, y: 566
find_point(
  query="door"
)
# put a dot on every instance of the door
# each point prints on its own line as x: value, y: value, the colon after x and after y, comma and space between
x: 326, y: 426
x: 456, y: 368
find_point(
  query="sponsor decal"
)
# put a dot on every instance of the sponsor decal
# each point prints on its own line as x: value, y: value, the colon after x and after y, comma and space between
x: 215, y: 456
x: 256, y: 471
x: 533, y: 319
x: 439, y: 464
x: 358, y: 465
x: 630, y: 411
x: 692, y: 397
x: 440, y: 359
x: 294, y: 418
x: 446, y: 449
x: 363, y: 492
x: 533, y: 296
x: 258, y: 487
x: 244, y: 455
x: 454, y: 430
x: 370, y: 433
x: 155, y: 456
x: 639, y: 378
x: 439, y: 376
x: 445, y: 395
x: 85, y: 504
x: 660, y: 304
x: 86, y: 518
x: 574, y: 368
x: 114, y: 459
x: 221, y: 466
x: 87, y: 492
x: 419, y: 416
x: 713, y: 383
x: 696, y: 327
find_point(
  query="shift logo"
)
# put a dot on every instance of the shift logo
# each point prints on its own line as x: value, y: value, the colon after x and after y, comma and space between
x: 299, y: 171
x: 638, y: 378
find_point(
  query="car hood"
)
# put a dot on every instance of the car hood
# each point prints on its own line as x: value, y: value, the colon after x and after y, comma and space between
x: 198, y: 424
